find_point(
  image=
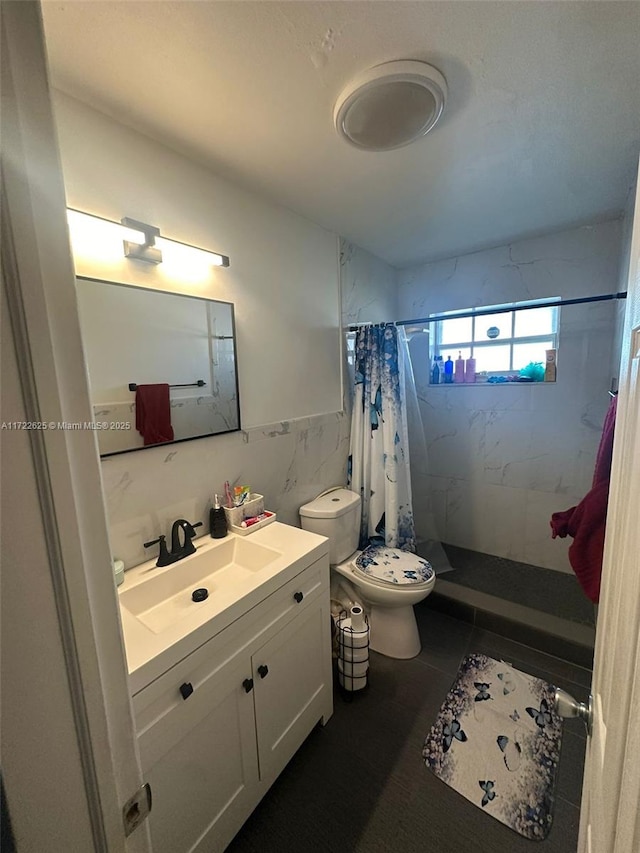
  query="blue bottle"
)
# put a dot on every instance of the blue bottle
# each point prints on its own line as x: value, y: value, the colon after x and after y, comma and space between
x: 435, y: 370
x: 448, y: 370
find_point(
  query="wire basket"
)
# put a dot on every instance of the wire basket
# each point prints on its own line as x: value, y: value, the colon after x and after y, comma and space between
x: 353, y: 653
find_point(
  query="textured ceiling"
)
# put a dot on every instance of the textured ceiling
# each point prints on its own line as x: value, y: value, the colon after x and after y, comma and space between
x: 541, y: 130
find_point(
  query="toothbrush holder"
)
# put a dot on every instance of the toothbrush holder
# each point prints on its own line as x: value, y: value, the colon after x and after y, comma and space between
x: 250, y: 508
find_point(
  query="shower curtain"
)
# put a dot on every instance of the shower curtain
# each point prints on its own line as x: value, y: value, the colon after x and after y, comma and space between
x: 378, y: 467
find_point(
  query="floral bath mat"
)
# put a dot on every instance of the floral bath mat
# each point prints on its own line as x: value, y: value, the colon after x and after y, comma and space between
x: 496, y: 741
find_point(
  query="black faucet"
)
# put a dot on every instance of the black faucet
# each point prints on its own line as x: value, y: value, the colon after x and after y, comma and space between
x: 164, y: 557
x: 178, y: 549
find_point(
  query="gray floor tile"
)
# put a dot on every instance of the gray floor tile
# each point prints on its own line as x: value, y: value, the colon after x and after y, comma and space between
x: 571, y: 767
x: 444, y: 640
x: 483, y: 641
x: 360, y: 785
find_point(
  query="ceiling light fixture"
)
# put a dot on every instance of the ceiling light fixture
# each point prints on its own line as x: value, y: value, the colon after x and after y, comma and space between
x: 390, y: 105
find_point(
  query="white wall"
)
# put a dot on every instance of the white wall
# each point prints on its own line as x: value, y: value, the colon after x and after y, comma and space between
x: 283, y: 278
x: 284, y: 283
x: 503, y: 459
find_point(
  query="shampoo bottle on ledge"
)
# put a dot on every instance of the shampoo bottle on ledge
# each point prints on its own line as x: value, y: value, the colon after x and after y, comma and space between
x: 459, y: 369
x: 470, y: 370
x: 448, y: 370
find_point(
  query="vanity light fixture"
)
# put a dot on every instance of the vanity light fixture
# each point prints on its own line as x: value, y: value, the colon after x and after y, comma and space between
x: 142, y: 242
x: 150, y: 251
x: 147, y: 250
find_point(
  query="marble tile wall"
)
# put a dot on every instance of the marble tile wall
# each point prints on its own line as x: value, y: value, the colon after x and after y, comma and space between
x: 368, y: 284
x: 289, y: 462
x: 502, y: 459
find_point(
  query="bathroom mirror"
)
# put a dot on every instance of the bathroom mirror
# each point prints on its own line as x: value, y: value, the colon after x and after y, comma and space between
x: 136, y: 336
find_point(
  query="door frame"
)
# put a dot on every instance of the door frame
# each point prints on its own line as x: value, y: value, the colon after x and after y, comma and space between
x: 91, y: 712
x: 609, y: 815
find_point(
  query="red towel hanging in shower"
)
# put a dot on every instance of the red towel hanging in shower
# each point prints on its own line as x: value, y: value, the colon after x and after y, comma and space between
x: 586, y: 521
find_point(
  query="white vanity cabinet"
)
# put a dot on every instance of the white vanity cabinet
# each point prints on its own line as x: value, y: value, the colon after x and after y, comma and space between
x: 217, y: 728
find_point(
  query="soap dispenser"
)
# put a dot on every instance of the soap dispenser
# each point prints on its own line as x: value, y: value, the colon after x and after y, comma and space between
x: 217, y: 521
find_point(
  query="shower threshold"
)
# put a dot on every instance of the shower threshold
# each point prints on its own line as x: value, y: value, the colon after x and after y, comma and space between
x: 539, y: 607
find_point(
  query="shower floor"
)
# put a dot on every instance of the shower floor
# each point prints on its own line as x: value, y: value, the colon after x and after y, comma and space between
x: 552, y: 592
x: 538, y: 607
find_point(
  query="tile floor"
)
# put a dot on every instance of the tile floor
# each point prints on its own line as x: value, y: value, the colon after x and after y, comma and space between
x: 359, y: 784
x: 549, y: 591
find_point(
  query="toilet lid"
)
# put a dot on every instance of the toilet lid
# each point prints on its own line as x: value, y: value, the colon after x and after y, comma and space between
x: 382, y: 564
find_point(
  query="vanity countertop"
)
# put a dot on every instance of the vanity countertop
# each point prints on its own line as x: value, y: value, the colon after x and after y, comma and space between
x: 161, y: 625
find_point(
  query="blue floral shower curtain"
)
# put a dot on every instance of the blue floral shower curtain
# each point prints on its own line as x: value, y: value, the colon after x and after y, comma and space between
x: 379, y: 448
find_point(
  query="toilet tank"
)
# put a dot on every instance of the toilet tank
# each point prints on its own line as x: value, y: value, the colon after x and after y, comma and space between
x: 335, y: 515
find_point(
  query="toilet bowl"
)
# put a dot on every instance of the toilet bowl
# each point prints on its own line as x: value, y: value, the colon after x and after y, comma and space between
x: 394, y: 631
x: 388, y: 581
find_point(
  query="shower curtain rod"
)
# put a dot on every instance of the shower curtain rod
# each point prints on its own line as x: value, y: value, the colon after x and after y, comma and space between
x: 479, y: 312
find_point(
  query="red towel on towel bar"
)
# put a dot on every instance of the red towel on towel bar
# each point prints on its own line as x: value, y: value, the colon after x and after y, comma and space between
x: 153, y: 413
x: 585, y: 523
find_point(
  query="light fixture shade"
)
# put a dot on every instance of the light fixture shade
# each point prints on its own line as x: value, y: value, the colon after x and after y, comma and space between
x: 390, y: 105
x: 87, y: 226
x: 186, y: 250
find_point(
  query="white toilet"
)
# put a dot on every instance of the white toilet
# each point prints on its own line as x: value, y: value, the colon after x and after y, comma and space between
x: 388, y: 580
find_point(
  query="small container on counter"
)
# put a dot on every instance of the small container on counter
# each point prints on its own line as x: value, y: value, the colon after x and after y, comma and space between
x: 118, y: 571
x: 250, y: 508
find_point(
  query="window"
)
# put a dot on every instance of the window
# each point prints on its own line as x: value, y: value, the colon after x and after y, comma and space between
x: 503, y: 342
x: 351, y: 348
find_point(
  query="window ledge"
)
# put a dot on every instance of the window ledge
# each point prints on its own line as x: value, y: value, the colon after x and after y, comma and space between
x: 447, y: 385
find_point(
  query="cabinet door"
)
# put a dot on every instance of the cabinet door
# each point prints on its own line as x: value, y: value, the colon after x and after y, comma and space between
x: 201, y: 763
x: 293, y: 690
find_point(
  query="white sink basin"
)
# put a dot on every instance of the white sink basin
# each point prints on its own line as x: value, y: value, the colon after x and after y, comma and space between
x: 165, y: 595
x: 161, y: 624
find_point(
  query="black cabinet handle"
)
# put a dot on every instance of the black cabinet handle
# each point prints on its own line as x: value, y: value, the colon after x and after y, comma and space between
x: 298, y: 596
x: 263, y: 670
x: 248, y: 685
x: 186, y: 690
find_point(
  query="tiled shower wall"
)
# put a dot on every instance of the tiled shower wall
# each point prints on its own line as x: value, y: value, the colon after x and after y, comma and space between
x: 501, y: 459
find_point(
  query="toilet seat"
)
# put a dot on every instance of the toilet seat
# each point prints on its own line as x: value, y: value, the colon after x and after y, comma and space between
x: 385, y: 567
